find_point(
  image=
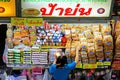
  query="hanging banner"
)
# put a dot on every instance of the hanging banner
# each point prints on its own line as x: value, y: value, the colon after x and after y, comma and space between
x: 18, y: 21
x: 35, y: 21
x: 66, y: 8
x: 7, y: 8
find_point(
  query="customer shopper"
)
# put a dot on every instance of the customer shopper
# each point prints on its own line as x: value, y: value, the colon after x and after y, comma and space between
x: 60, y: 69
x: 3, y: 29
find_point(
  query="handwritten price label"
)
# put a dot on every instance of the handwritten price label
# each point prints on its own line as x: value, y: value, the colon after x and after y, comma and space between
x: 18, y: 21
x: 107, y: 63
x: 35, y: 21
x: 100, y: 63
x: 79, y: 65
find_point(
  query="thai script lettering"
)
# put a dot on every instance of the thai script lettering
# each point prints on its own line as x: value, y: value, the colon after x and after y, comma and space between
x: 65, y: 11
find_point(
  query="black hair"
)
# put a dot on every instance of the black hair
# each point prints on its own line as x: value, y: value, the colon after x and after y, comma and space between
x: 16, y: 73
x: 61, y: 61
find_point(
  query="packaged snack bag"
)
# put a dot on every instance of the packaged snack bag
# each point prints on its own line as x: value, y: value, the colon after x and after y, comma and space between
x: 32, y: 31
x: 84, y: 54
x: 117, y: 33
x: 84, y: 46
x: 117, y: 55
x: 92, y: 60
x: 25, y: 40
x: 117, y: 27
x: 91, y: 52
x: 17, y: 35
x: 33, y: 37
x: 85, y: 60
x: 16, y: 42
x: 108, y: 52
x: 108, y: 42
x: 98, y: 39
x: 106, y: 30
x: 95, y: 28
x: 98, y: 47
x: 91, y: 45
x: 83, y: 28
x: 88, y: 34
x: 90, y: 40
x: 24, y: 33
x: 83, y: 39
x: 99, y: 53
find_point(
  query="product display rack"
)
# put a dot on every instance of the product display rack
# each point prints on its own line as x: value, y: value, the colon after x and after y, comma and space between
x: 100, y: 68
x: 97, y: 64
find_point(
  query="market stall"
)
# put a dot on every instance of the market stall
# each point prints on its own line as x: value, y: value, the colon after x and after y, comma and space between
x: 44, y: 29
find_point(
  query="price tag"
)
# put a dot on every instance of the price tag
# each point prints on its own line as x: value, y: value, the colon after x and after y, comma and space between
x: 92, y: 66
x: 100, y: 63
x: 86, y: 66
x: 35, y: 21
x: 18, y: 21
x: 79, y: 65
x: 107, y: 63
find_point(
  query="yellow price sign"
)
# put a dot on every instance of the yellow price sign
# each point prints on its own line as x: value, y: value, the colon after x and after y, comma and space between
x: 86, y: 66
x: 107, y: 63
x: 35, y: 21
x: 79, y: 65
x: 18, y: 21
x: 92, y: 66
x: 100, y: 63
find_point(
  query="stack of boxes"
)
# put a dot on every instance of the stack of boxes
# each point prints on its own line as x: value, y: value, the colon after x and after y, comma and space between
x: 35, y: 55
x: 39, y: 57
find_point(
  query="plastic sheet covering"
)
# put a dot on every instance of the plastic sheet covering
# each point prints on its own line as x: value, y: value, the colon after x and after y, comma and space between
x: 3, y: 74
x: 5, y: 54
x: 16, y: 78
x: 47, y: 76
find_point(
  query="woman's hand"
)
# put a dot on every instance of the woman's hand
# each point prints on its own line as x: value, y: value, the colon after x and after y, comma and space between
x: 78, y: 46
x: 56, y: 55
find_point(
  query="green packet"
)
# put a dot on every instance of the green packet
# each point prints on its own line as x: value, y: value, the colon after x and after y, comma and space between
x: 10, y: 56
x: 15, y: 51
x: 17, y: 58
x: 17, y: 54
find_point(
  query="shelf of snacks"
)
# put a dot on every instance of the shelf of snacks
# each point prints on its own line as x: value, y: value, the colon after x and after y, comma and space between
x: 37, y: 44
x: 95, y: 40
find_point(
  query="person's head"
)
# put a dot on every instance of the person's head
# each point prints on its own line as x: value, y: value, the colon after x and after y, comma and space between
x: 61, y: 61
